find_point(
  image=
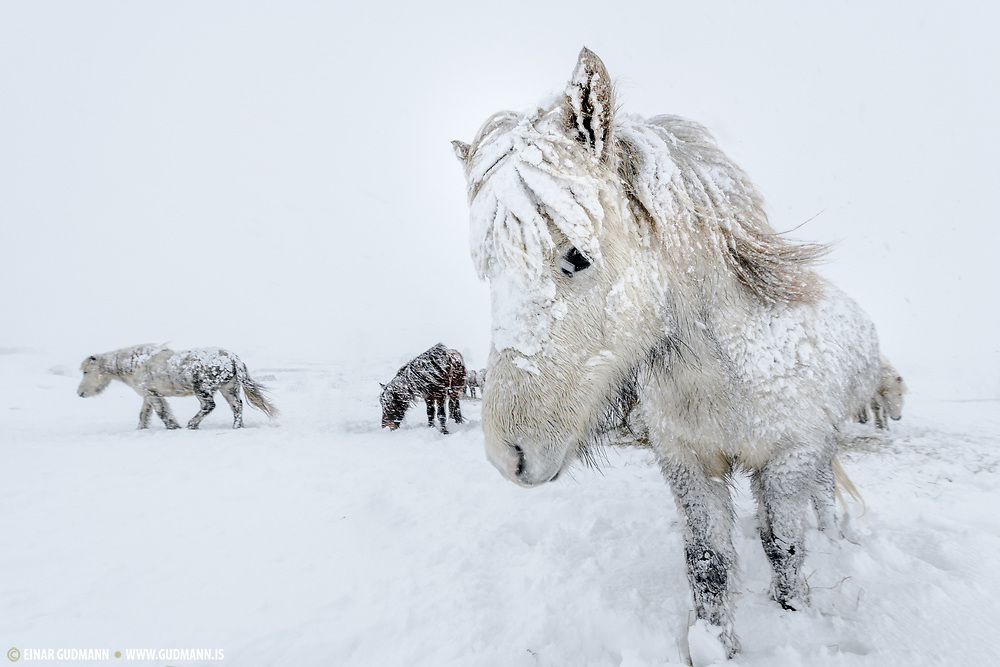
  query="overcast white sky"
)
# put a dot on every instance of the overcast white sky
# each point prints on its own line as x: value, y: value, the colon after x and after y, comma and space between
x: 277, y: 177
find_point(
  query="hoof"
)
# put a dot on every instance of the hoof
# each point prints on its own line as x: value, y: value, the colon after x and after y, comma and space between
x: 791, y: 600
x: 710, y: 644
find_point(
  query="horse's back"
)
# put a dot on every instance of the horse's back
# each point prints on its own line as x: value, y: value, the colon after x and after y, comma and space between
x: 435, y: 371
x: 809, y: 364
x: 182, y: 373
x: 767, y: 375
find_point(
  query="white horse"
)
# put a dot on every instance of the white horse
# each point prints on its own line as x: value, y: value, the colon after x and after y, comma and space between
x: 887, y: 400
x: 632, y: 268
x: 154, y: 371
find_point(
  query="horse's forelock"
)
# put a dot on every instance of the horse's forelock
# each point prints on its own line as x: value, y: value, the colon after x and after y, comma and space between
x: 525, y: 174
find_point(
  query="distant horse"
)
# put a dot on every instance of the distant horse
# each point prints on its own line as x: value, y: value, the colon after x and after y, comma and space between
x: 435, y: 375
x: 632, y: 268
x: 154, y: 372
x: 472, y: 382
x: 888, y: 399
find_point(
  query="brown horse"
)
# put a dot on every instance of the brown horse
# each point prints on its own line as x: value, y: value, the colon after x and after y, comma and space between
x: 433, y: 375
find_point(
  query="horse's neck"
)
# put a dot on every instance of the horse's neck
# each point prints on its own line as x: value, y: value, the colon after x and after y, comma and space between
x: 404, y: 379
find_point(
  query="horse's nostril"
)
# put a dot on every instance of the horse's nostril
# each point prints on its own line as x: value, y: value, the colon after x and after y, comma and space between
x: 520, y: 460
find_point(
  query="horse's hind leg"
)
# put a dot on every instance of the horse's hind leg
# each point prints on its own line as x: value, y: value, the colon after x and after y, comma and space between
x: 708, y: 547
x: 207, y: 405
x: 442, y: 417
x: 455, y: 406
x: 231, y: 392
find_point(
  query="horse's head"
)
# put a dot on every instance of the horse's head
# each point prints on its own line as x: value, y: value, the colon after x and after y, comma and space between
x: 94, y: 379
x: 551, y: 232
x: 892, y: 390
x: 394, y: 402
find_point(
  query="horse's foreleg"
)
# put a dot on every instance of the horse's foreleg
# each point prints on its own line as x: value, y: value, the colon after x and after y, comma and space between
x: 231, y: 392
x: 163, y: 411
x: 430, y: 410
x: 147, y: 409
x: 780, y: 488
x: 878, y: 409
x: 708, y: 546
x: 862, y: 417
x: 207, y: 405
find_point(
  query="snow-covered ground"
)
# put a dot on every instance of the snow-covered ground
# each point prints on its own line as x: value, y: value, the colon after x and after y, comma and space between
x: 323, y: 539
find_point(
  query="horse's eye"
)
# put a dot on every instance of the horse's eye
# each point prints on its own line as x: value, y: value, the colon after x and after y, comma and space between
x: 573, y: 262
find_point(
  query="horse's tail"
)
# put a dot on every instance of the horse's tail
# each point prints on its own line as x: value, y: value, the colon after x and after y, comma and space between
x: 254, y: 391
x: 843, y: 483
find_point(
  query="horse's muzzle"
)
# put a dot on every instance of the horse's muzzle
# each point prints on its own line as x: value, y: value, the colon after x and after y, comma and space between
x: 513, y: 462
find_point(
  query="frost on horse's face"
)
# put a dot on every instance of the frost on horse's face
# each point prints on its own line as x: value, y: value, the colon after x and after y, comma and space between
x: 571, y: 299
x: 94, y: 381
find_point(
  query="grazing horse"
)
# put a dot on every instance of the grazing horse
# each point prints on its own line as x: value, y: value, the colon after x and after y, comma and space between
x: 887, y: 400
x: 436, y: 374
x: 154, y: 372
x: 632, y: 269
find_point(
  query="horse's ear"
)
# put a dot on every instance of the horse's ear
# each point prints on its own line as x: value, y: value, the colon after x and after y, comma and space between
x: 589, y: 104
x: 461, y: 150
x: 381, y: 385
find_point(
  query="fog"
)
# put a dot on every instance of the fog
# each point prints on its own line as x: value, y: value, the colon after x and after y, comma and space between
x: 278, y: 179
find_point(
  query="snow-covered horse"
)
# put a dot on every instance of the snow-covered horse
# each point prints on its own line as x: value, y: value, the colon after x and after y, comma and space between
x: 154, y: 372
x: 472, y: 382
x: 888, y: 399
x: 435, y: 375
x: 631, y: 265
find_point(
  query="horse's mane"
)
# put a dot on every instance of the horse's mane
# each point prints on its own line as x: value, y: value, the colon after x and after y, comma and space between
x: 525, y: 173
x: 126, y: 360
x: 675, y: 172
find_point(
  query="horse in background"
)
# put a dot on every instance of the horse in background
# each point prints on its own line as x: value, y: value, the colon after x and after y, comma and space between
x: 887, y: 400
x: 472, y: 383
x: 632, y: 267
x: 435, y: 375
x: 155, y: 371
